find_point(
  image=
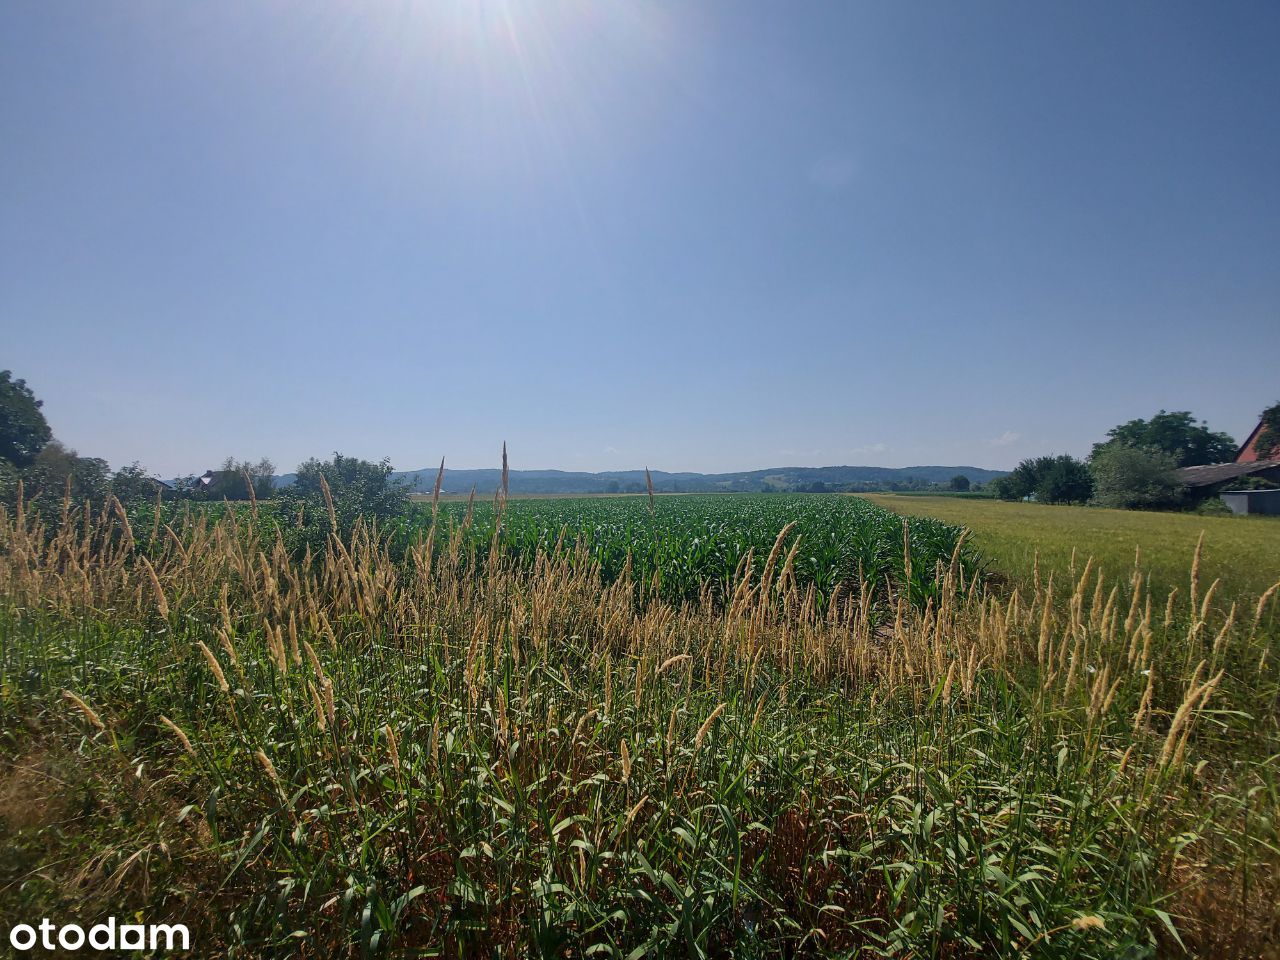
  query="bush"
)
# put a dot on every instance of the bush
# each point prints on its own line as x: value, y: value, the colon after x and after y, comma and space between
x: 1213, y: 507
x: 1016, y: 485
x: 1135, y: 478
x: 45, y: 481
x: 132, y: 484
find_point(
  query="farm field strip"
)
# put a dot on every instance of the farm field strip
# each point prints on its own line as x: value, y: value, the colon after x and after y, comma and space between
x: 692, y: 542
x: 1242, y: 552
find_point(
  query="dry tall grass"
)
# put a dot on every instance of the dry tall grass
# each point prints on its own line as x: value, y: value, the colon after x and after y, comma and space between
x: 460, y: 752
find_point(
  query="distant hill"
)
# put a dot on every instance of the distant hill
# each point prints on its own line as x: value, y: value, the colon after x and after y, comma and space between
x: 750, y: 481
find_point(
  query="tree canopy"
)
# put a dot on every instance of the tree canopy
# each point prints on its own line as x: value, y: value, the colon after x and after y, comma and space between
x: 23, y: 428
x: 357, y: 487
x: 1135, y: 478
x: 1061, y: 479
x: 1177, y: 434
x: 45, y: 480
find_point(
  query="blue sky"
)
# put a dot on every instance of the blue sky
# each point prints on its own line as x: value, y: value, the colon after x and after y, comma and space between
x: 702, y: 236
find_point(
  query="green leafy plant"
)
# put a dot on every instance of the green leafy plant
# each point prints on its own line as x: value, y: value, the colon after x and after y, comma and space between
x: 1135, y: 478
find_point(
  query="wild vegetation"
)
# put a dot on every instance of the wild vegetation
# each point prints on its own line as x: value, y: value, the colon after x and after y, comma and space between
x: 479, y: 744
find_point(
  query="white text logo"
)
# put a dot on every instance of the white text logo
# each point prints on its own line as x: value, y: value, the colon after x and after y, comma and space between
x: 101, y: 936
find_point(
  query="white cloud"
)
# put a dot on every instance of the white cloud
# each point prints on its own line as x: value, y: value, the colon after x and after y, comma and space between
x: 871, y: 448
x: 1006, y: 439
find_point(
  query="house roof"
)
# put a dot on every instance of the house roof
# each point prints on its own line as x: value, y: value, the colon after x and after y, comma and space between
x: 212, y: 476
x: 1248, y: 452
x: 1212, y: 473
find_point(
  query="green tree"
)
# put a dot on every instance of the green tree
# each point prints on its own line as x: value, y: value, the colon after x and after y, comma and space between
x: 1020, y: 482
x: 1008, y: 488
x: 1268, y: 445
x: 229, y: 481
x: 1135, y: 478
x: 358, y: 487
x: 1063, y: 479
x: 45, y: 480
x: 23, y: 428
x: 960, y: 483
x: 262, y: 475
x: 1177, y: 434
x: 1060, y: 479
x: 132, y: 484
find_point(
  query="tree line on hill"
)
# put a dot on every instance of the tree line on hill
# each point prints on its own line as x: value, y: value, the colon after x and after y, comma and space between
x: 1136, y: 466
x: 834, y: 479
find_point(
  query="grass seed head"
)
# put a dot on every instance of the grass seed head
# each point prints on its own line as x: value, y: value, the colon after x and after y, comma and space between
x: 177, y: 732
x: 214, y: 666
x: 706, y: 725
x: 85, y: 709
x: 393, y: 748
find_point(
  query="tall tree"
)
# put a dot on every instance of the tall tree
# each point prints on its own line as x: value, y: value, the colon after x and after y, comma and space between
x: 23, y: 428
x: 356, y: 487
x: 260, y: 474
x: 1177, y: 434
x: 1061, y: 479
x: 1064, y: 479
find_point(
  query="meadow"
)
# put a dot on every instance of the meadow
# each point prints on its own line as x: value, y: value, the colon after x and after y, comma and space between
x: 702, y: 727
x: 1242, y: 552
